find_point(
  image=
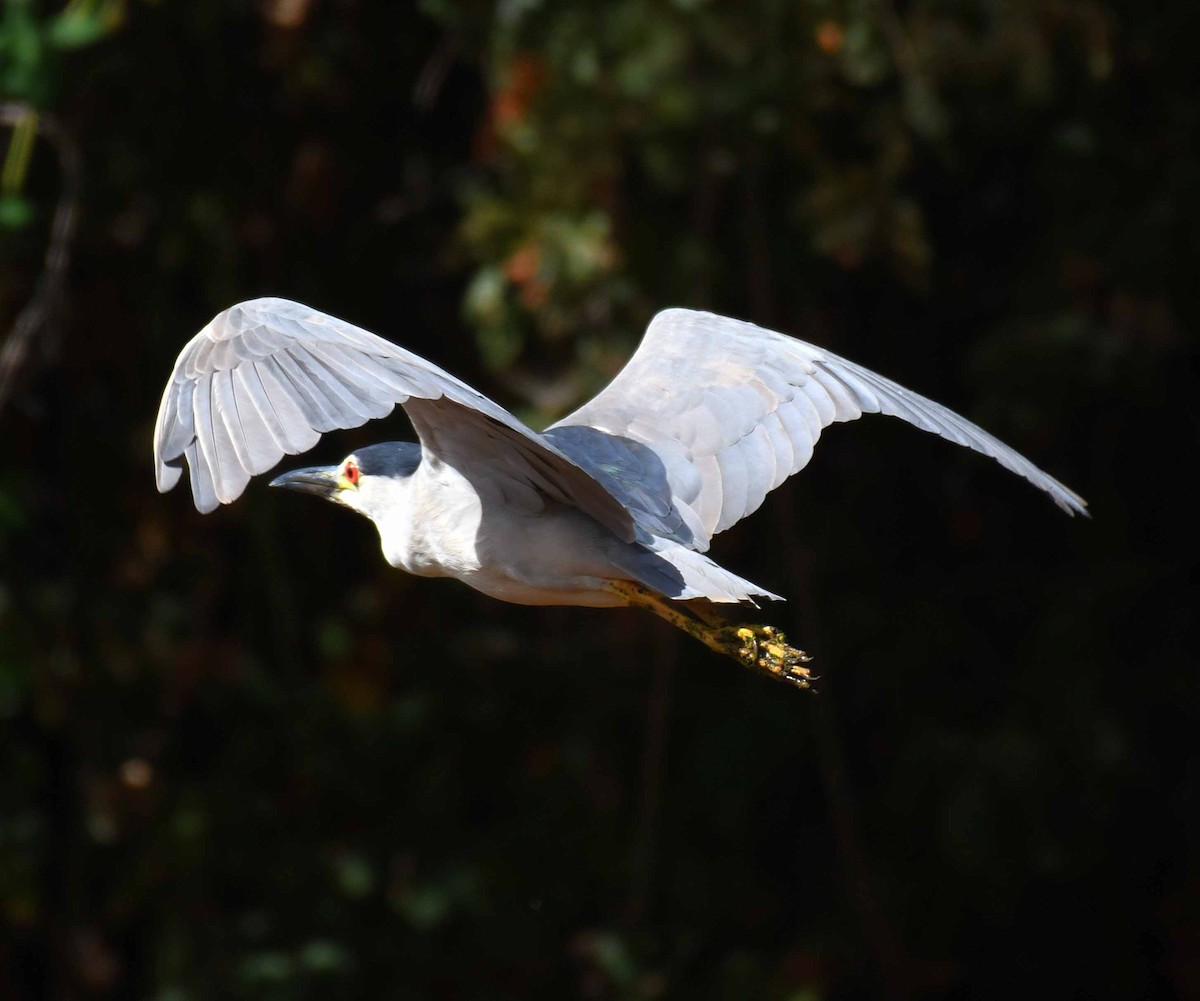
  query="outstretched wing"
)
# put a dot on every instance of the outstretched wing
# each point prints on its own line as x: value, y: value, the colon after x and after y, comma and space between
x: 268, y: 377
x: 733, y: 410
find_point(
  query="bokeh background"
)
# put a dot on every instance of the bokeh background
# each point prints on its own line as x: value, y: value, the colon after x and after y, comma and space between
x: 242, y: 758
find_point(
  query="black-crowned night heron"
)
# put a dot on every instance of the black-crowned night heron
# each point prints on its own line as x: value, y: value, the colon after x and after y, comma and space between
x: 612, y: 505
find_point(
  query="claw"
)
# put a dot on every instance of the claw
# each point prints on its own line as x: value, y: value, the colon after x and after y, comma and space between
x: 765, y: 648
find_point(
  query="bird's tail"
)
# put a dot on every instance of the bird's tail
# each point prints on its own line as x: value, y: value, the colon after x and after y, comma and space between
x: 684, y: 574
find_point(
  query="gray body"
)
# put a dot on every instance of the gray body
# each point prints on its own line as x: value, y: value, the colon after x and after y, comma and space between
x: 708, y: 416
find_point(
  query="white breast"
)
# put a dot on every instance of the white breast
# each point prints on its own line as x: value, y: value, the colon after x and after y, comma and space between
x: 437, y: 536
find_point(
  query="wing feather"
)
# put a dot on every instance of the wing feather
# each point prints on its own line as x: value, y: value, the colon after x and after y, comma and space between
x: 350, y: 408
x: 231, y: 475
x: 363, y: 380
x: 225, y: 409
x: 734, y: 486
x: 864, y: 394
x: 197, y: 364
x: 708, y: 502
x: 846, y: 407
x: 781, y: 446
x: 322, y: 413
x: 756, y: 459
x: 264, y: 435
x: 175, y: 427
x: 207, y: 433
x: 806, y: 409
x: 203, y: 493
x: 799, y: 433
x: 283, y: 409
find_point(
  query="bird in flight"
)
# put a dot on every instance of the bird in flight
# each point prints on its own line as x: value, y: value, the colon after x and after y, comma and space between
x: 613, y: 505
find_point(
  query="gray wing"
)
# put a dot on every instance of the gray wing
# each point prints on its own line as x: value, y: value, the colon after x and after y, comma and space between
x: 268, y: 377
x: 732, y: 410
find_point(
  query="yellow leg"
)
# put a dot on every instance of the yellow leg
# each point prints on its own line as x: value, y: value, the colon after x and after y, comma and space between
x: 760, y: 648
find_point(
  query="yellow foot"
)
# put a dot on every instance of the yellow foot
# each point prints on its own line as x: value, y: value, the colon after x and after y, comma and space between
x: 765, y: 648
x: 760, y: 648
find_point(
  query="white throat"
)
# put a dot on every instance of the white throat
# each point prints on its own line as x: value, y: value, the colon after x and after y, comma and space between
x: 428, y: 522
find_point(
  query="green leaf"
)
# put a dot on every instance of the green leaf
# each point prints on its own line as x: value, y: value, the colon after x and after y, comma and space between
x: 22, y: 69
x: 355, y: 875
x: 324, y: 956
x: 267, y: 968
x: 84, y: 23
x: 16, y: 211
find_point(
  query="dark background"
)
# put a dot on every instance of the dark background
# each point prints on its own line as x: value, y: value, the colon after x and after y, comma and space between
x: 240, y: 757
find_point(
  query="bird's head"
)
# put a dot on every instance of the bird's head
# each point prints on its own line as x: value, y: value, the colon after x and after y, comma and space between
x: 372, y: 481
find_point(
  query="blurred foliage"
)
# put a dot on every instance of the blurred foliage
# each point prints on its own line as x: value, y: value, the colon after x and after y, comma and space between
x: 814, y: 118
x: 30, y: 48
x: 30, y: 42
x: 243, y: 758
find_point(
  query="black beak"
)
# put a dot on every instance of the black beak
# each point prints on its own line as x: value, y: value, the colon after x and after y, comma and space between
x: 319, y: 480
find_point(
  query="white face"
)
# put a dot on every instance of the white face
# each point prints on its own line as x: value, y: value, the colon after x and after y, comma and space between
x: 374, y: 497
x: 346, y: 480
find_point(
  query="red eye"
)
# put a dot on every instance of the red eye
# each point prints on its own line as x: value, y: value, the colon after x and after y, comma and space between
x: 350, y: 471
